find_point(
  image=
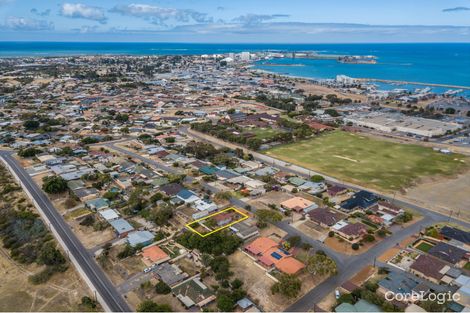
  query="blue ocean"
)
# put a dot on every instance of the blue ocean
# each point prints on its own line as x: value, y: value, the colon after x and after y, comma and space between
x: 438, y: 63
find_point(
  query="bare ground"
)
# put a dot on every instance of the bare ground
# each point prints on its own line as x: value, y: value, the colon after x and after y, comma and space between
x: 63, y: 292
x: 444, y: 195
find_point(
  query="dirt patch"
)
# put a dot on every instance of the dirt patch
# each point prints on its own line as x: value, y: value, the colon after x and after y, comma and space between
x: 63, y: 292
x: 328, y: 302
x: 444, y: 195
x: 322, y: 90
x: 134, y: 298
x: 273, y: 197
x: 89, y: 237
x: 312, y: 230
x: 256, y: 283
x: 389, y: 254
x: 346, y: 247
x: 363, y: 275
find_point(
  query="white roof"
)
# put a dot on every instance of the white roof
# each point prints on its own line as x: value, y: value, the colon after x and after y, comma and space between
x: 339, y: 225
x: 109, y: 214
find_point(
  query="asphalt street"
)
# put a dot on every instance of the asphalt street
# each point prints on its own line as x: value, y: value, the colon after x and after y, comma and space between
x: 74, y: 248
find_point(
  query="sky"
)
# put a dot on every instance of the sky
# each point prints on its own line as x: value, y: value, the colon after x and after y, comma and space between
x: 237, y: 21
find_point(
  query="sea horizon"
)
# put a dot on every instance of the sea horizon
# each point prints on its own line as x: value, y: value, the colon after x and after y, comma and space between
x: 427, y: 63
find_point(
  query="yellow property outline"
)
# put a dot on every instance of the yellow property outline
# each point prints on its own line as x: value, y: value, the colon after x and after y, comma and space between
x: 244, y: 217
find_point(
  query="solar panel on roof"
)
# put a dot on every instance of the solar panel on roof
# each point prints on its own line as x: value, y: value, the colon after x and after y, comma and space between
x: 276, y: 255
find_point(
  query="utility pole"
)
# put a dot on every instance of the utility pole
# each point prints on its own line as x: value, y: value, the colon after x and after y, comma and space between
x: 450, y: 216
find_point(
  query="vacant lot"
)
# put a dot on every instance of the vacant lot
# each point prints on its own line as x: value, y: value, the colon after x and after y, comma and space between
x: 63, y: 292
x: 369, y: 162
x: 264, y: 133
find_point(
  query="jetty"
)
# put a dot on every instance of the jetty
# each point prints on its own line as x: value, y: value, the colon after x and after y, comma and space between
x: 400, y: 82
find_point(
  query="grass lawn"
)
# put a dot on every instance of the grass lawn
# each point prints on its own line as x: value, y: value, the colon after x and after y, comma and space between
x: 467, y: 266
x: 369, y: 162
x: 424, y: 246
x: 264, y: 133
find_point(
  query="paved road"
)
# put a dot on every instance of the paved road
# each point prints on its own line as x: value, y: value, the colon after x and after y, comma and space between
x: 347, y: 265
x: 110, y: 298
x: 306, y: 173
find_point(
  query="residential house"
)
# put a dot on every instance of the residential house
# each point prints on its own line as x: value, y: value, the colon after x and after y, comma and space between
x: 170, y: 274
x: 245, y: 229
x: 360, y: 306
x: 246, y: 305
x: 397, y: 283
x: 362, y: 200
x: 223, y: 219
x: 428, y: 267
x: 109, y: 214
x: 154, y: 255
x: 352, y: 232
x: 140, y: 237
x: 121, y: 227
x: 325, y: 217
x: 297, y: 204
x: 85, y: 194
x: 171, y: 189
x: 270, y: 255
x: 187, y: 196
x: 448, y: 253
x: 193, y: 292
x: 457, y: 234
x: 97, y: 204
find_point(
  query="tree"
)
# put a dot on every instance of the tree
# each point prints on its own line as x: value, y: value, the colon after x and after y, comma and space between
x: 156, y: 197
x: 150, y: 306
x: 270, y: 216
x: 294, y: 241
x: 346, y: 298
x: 225, y: 303
x: 223, y: 195
x: 432, y: 232
x: 317, y: 178
x: 31, y: 125
x: 89, y: 140
x: 162, y: 288
x: 50, y: 256
x: 221, y: 267
x: 54, y: 184
x: 28, y: 152
x: 162, y: 215
x: 122, y: 118
x: 88, y: 303
x: 288, y: 285
x: 355, y: 246
x: 369, y: 238
x: 321, y: 264
x: 449, y: 111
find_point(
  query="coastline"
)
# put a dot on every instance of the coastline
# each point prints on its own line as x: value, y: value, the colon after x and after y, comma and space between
x: 366, y: 80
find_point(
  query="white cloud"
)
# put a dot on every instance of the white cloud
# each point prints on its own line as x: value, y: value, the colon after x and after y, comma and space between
x: 78, y: 10
x: 253, y: 19
x: 26, y: 24
x: 161, y: 16
x: 86, y: 29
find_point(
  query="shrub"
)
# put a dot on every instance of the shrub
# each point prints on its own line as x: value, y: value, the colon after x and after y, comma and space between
x: 162, y: 288
x: 355, y: 246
